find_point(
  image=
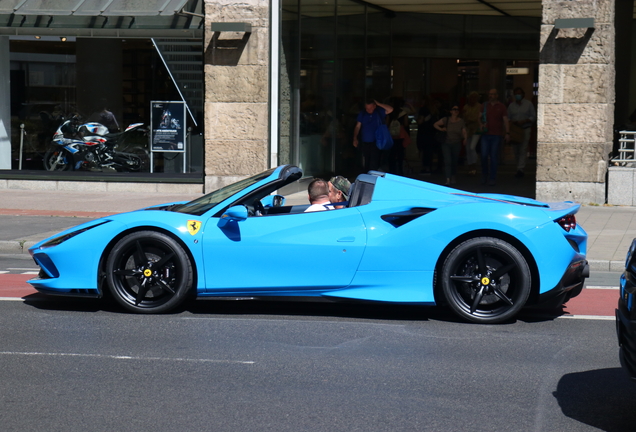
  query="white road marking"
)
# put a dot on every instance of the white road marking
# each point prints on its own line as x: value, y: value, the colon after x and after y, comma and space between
x: 23, y: 269
x: 30, y: 273
x: 4, y: 271
x: 602, y: 287
x: 589, y: 317
x: 122, y: 357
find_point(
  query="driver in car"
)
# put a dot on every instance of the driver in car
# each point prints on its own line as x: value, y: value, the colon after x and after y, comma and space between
x: 319, y: 191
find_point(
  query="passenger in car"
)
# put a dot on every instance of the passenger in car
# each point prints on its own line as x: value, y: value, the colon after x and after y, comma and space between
x: 339, y: 190
x: 319, y: 191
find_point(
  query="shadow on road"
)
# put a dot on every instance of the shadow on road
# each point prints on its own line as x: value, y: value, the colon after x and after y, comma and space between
x: 602, y: 398
x: 283, y: 307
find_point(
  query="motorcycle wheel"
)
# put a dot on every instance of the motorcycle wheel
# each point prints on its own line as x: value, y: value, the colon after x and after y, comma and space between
x: 56, y: 159
x: 140, y: 159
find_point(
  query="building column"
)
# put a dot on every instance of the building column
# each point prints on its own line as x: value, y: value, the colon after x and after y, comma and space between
x: 236, y: 65
x: 5, y: 105
x: 576, y: 101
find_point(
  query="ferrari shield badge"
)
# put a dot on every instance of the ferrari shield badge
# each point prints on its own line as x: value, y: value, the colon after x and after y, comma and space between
x: 193, y: 226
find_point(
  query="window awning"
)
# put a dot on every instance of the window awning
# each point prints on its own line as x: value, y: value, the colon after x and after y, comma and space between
x: 102, y: 18
x: 92, y: 7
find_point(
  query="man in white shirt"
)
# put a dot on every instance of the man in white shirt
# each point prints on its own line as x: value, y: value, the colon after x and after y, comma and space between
x: 318, y: 191
x: 521, y: 113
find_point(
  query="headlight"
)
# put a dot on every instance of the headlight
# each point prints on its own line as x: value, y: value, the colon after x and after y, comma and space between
x: 62, y: 238
x: 630, y: 253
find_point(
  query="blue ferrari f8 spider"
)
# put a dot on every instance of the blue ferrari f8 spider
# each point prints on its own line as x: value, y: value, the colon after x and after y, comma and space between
x: 396, y: 240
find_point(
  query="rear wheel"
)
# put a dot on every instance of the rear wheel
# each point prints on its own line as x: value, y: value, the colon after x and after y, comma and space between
x: 139, y: 160
x: 149, y: 272
x: 486, y: 280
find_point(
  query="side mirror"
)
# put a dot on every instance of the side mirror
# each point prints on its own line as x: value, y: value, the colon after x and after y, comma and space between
x: 237, y: 213
x: 273, y: 201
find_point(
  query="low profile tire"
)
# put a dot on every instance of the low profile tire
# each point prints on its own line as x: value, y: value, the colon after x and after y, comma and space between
x: 486, y: 280
x: 149, y: 272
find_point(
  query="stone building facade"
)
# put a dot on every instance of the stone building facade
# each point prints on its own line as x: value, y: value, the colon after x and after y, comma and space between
x: 237, y: 80
x: 576, y: 101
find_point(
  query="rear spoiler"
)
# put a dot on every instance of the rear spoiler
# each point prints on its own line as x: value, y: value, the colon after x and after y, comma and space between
x: 557, y: 210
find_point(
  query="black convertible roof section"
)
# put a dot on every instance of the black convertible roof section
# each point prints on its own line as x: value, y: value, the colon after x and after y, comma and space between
x: 290, y: 173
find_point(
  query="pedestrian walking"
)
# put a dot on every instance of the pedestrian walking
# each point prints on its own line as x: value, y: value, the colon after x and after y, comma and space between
x: 495, y: 129
x: 522, y: 116
x: 454, y: 129
x: 471, y: 113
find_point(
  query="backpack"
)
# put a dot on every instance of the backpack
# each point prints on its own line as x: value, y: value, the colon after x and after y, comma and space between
x: 394, y: 128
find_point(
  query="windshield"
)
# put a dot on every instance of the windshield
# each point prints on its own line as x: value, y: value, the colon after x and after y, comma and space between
x: 206, y: 202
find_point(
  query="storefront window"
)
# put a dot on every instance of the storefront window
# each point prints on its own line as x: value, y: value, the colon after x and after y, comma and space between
x: 333, y: 61
x: 317, y: 87
x: 351, y: 63
x: 75, y: 82
x: 288, y: 85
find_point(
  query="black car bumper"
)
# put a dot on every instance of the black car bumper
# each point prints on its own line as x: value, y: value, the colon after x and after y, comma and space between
x: 570, y: 284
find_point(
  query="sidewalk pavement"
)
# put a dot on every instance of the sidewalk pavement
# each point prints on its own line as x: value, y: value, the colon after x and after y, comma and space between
x: 610, y: 228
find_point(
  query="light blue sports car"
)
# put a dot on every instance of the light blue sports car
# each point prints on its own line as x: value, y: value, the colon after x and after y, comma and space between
x: 396, y: 240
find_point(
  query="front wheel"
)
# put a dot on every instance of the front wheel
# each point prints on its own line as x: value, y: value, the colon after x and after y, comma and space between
x: 57, y: 159
x: 486, y: 280
x: 149, y: 272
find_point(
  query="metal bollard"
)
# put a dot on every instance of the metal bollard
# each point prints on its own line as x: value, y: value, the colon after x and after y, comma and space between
x: 22, y: 133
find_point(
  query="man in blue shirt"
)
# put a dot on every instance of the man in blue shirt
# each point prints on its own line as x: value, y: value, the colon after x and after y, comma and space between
x: 374, y: 115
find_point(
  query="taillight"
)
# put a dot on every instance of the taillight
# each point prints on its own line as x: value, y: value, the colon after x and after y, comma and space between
x: 567, y: 222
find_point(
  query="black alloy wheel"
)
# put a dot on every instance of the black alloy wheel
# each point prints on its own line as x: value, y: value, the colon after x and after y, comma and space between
x: 486, y: 280
x: 149, y: 272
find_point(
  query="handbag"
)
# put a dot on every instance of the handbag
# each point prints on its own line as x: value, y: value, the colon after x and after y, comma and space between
x: 383, y: 140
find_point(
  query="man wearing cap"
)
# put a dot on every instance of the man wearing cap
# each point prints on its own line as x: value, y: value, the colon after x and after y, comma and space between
x: 339, y: 190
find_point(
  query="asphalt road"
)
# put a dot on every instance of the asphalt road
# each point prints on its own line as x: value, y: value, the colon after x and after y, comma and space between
x: 272, y: 366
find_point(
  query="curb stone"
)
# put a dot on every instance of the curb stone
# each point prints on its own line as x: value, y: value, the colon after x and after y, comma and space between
x: 606, y: 265
x: 15, y: 246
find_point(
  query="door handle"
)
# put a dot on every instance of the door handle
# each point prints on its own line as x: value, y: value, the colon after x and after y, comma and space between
x: 347, y: 239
